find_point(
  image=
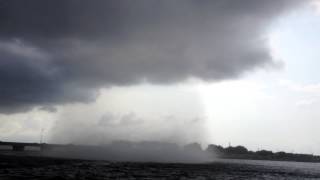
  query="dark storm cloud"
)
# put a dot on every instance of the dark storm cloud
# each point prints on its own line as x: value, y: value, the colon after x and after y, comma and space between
x: 62, y: 51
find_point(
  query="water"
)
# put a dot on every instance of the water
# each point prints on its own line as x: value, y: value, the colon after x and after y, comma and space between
x: 24, y: 167
x: 289, y: 165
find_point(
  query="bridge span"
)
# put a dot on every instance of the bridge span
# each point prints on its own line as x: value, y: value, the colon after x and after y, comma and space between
x: 20, y: 146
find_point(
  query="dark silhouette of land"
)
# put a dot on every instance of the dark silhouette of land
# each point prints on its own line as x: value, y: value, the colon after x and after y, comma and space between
x: 155, y: 151
x: 241, y: 152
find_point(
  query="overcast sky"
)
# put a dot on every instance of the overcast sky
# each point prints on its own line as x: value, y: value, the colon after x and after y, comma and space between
x: 212, y: 71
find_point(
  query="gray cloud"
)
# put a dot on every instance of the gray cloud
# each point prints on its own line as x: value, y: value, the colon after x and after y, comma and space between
x: 56, y: 52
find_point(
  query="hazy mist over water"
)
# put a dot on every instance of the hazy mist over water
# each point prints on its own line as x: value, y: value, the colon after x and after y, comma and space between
x: 136, y: 152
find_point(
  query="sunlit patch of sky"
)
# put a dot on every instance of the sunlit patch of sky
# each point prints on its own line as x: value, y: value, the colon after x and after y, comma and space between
x: 273, y: 108
x: 295, y: 40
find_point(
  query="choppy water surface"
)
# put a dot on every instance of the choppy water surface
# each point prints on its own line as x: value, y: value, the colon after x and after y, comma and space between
x: 289, y: 169
x: 13, y: 168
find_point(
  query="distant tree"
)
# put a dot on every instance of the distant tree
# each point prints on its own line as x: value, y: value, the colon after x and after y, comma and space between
x: 264, y: 153
x: 212, y: 148
x: 281, y: 154
x: 236, y: 150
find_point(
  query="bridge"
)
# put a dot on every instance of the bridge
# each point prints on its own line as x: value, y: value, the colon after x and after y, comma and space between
x: 20, y: 146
